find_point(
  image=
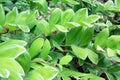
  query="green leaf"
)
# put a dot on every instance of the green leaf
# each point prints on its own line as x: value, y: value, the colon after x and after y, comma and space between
x: 34, y: 75
x: 89, y: 1
x: 109, y: 5
x: 24, y: 28
x: 21, y: 21
x: 22, y: 17
x: 72, y: 2
x: 11, y: 16
x: 42, y: 5
x: 67, y: 16
x: 92, y: 56
x: 12, y: 41
x: 45, y: 50
x: 113, y: 68
x: 110, y: 76
x: 113, y: 42
x: 55, y: 1
x: 79, y: 52
x: 61, y: 28
x: 72, y: 24
x: 92, y: 18
x: 4, y: 73
x: 55, y: 44
x: 11, y: 51
x: 100, y: 6
x: 66, y: 78
x: 43, y: 26
x: 36, y: 47
x: 73, y: 36
x: 25, y: 61
x: 92, y: 77
x: 83, y: 53
x: 101, y: 38
x: 111, y: 52
x: 8, y: 63
x: 65, y: 60
x: 42, y: 72
x: 67, y: 72
x: 81, y: 15
x: 59, y: 37
x: 117, y: 74
x: 31, y: 19
x: 2, y: 15
x: 86, y: 36
x: 117, y: 2
x: 1, y: 29
x: 55, y: 17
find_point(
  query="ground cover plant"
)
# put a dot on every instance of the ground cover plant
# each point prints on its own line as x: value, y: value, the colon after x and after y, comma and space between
x: 59, y: 39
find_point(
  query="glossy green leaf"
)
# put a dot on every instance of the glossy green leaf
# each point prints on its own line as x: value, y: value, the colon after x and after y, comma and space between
x: 81, y: 15
x: 43, y: 73
x: 24, y: 28
x: 72, y: 24
x: 55, y: 44
x: 109, y: 5
x: 45, y: 50
x: 31, y: 20
x: 117, y: 2
x: 92, y: 18
x: 72, y: 2
x: 55, y: 17
x: 2, y: 15
x: 66, y: 78
x: 113, y: 42
x: 67, y: 16
x: 117, y: 74
x: 86, y: 36
x: 68, y: 72
x: 83, y: 53
x: 17, y: 71
x: 92, y: 77
x: 59, y: 37
x: 34, y: 75
x: 42, y: 5
x: 80, y: 52
x: 11, y: 16
x: 111, y: 52
x: 92, y: 56
x: 73, y: 36
x: 89, y: 1
x: 55, y: 1
x: 36, y: 47
x: 43, y: 26
x: 12, y: 41
x: 101, y: 38
x: 61, y: 28
x: 11, y: 51
x: 110, y: 76
x: 113, y: 68
x: 4, y: 73
x: 65, y: 60
x: 100, y: 7
x: 1, y: 29
x: 21, y: 21
x: 25, y: 61
x: 22, y: 17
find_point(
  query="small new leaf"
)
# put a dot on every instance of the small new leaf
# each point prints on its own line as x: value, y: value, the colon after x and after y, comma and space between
x: 65, y: 60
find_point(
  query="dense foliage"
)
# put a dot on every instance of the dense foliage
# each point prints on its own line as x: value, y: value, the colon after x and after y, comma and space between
x: 59, y: 39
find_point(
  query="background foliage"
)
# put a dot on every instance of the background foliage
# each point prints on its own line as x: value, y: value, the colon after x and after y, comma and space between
x: 59, y: 39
